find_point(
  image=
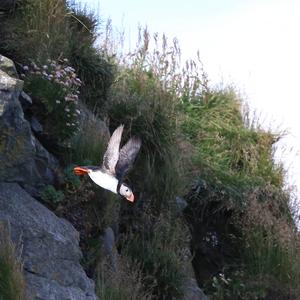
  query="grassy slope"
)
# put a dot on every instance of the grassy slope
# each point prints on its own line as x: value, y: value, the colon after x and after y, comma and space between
x: 241, y: 197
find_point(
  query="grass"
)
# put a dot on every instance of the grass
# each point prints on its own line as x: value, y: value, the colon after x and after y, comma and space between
x: 44, y: 24
x: 124, y: 284
x: 159, y: 251
x: 143, y: 99
x: 88, y: 145
x: 269, y: 229
x: 240, y: 157
x: 242, y: 188
x: 12, y: 284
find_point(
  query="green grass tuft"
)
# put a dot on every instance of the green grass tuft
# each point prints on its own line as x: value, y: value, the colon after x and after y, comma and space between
x: 12, y: 284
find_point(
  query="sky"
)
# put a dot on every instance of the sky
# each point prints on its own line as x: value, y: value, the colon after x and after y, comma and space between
x: 251, y: 44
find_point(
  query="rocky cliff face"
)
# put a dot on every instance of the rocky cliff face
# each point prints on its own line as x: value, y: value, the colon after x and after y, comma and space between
x: 50, y: 248
x: 23, y: 159
x: 50, y: 245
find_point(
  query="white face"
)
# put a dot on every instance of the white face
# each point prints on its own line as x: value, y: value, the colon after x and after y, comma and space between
x: 126, y: 192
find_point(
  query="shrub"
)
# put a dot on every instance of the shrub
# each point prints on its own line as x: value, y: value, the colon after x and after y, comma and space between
x: 51, y: 196
x: 12, y: 284
x: 72, y: 181
x: 54, y: 88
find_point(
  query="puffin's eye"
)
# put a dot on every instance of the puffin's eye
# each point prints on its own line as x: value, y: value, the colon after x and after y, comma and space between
x: 126, y: 190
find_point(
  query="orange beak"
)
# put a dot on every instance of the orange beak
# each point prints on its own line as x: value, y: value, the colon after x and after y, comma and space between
x: 130, y: 198
x: 80, y: 171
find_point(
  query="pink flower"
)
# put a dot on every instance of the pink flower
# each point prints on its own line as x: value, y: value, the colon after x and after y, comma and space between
x: 57, y: 74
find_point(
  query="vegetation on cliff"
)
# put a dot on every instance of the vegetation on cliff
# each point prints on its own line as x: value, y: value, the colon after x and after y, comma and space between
x: 198, y: 143
x: 12, y: 283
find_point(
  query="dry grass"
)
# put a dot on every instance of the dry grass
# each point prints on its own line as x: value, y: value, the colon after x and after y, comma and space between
x: 89, y: 143
x: 12, y: 284
x: 125, y: 283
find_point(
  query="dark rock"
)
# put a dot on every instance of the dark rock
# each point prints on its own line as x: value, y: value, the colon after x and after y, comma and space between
x: 25, y: 99
x: 192, y: 291
x: 36, y: 125
x: 181, y: 204
x: 26, y: 103
x: 7, y: 5
x: 109, y: 248
x: 23, y: 159
x: 50, y: 248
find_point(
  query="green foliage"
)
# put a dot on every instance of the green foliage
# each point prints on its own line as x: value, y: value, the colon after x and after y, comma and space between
x: 37, y: 30
x: 235, y: 287
x: 89, y: 143
x: 71, y: 180
x: 51, y: 195
x: 269, y: 229
x: 54, y: 89
x: 271, y: 258
x: 94, y: 66
x: 230, y: 155
x: 145, y: 103
x: 159, y: 251
x: 242, y: 187
x: 12, y: 284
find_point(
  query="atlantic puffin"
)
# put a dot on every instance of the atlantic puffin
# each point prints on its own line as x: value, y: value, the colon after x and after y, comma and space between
x: 116, y: 163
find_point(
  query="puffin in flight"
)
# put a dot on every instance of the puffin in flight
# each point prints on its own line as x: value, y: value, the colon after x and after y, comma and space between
x: 116, y: 164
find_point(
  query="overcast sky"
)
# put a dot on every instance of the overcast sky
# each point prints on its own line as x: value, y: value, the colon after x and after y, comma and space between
x: 253, y: 44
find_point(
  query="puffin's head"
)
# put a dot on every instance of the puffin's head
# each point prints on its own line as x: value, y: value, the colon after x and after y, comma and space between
x: 80, y: 171
x: 126, y: 192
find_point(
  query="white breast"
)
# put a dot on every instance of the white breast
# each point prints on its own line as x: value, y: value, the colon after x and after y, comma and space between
x: 104, y: 180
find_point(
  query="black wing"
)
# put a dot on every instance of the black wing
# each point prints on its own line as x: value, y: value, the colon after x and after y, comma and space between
x: 127, y: 156
x: 111, y: 155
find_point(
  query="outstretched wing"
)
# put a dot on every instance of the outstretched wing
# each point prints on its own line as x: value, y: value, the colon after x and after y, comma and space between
x: 127, y: 156
x: 111, y: 155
